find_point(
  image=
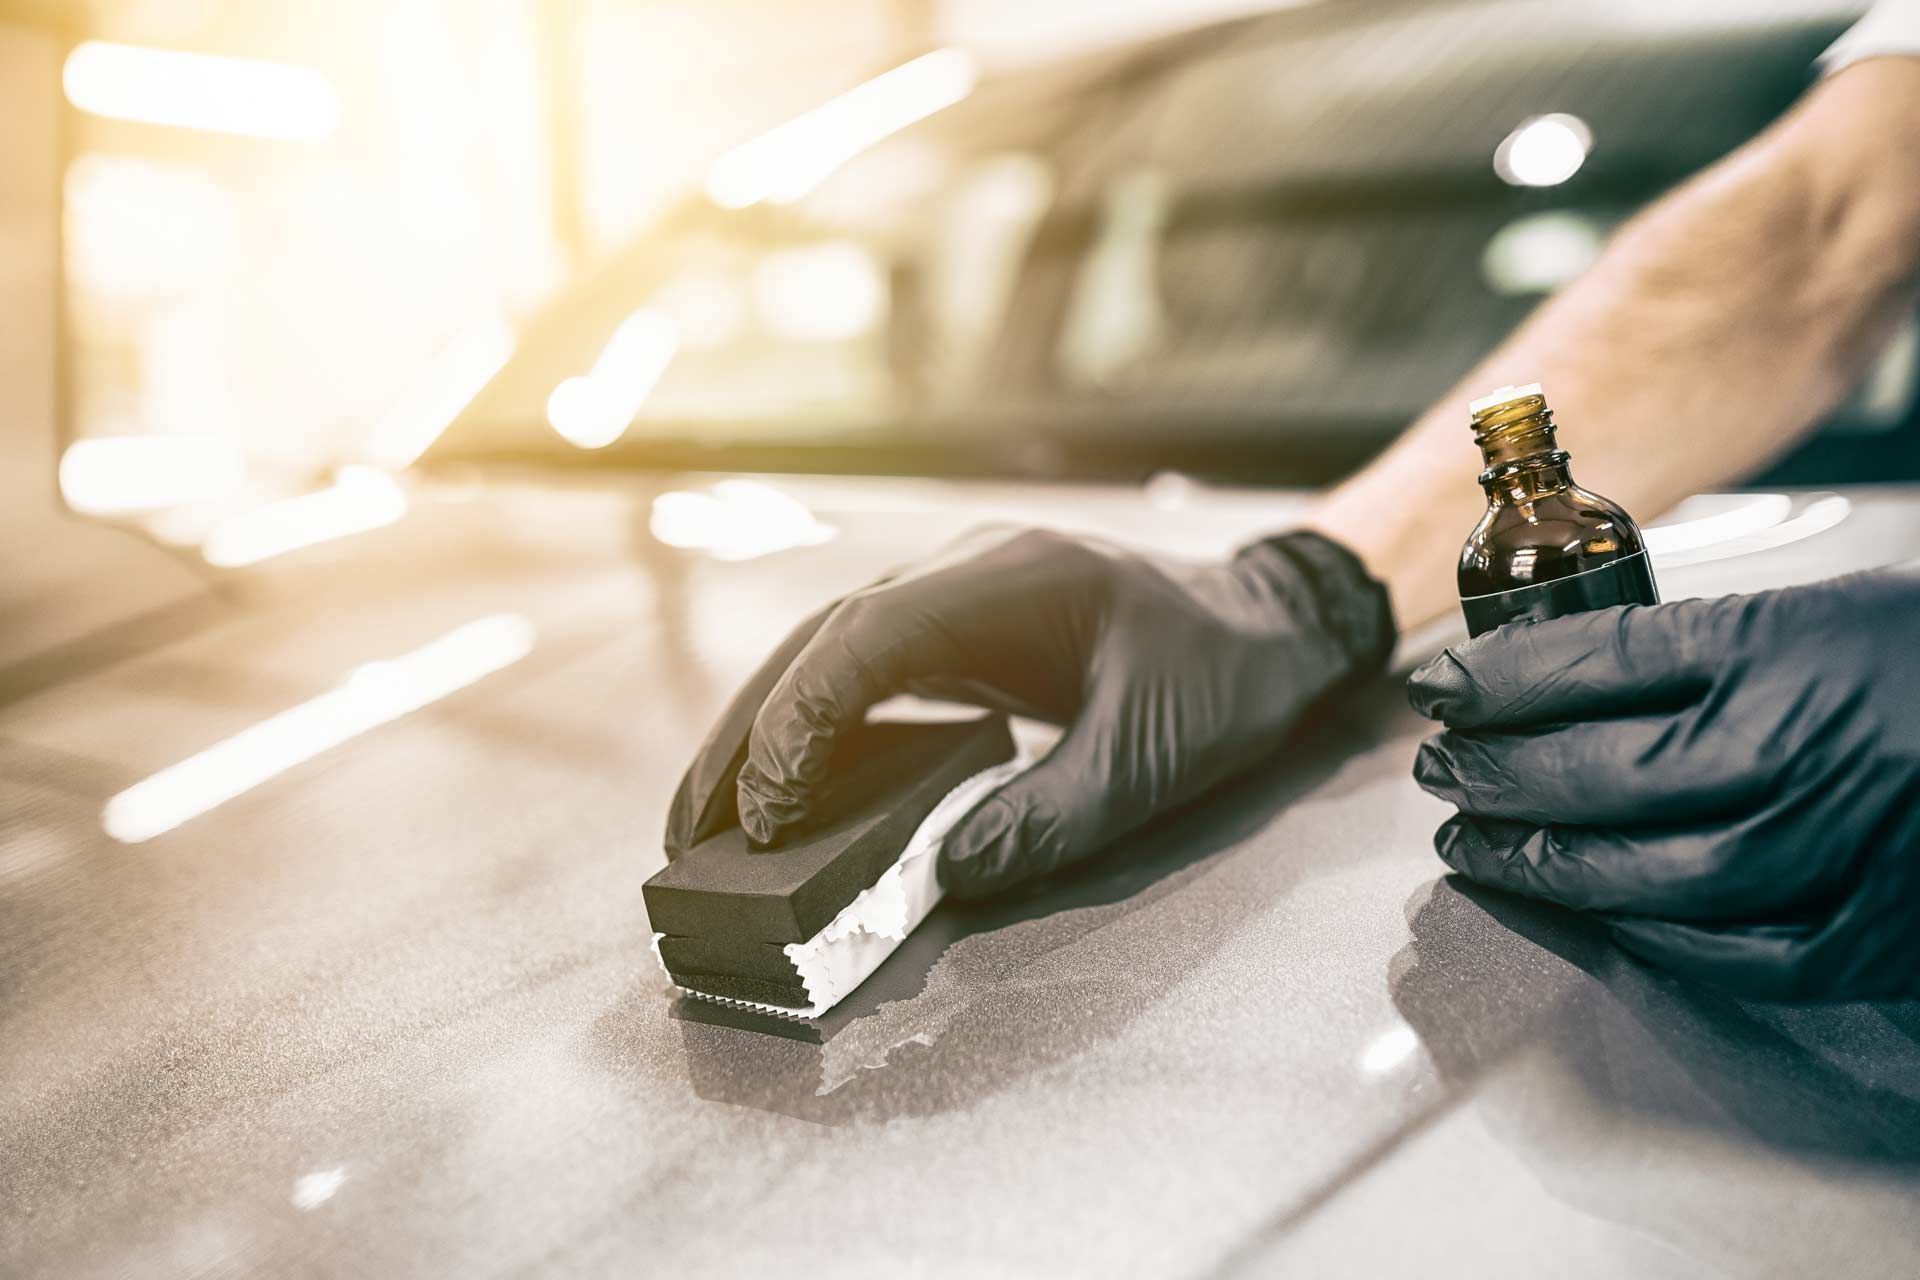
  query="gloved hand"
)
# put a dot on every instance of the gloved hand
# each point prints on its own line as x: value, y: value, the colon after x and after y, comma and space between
x: 1169, y: 677
x: 1735, y: 781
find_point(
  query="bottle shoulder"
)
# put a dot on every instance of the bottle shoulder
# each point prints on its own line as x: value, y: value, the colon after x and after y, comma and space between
x: 1571, y: 518
x: 1552, y: 536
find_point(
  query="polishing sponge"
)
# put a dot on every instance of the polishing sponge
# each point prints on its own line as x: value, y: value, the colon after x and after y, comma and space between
x: 729, y: 915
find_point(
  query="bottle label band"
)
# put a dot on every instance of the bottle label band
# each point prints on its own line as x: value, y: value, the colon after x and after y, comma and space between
x: 1628, y: 580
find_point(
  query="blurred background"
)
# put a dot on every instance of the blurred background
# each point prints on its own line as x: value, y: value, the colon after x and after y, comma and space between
x: 280, y: 274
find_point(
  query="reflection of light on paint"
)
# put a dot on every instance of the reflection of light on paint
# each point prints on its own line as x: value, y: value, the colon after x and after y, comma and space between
x: 1541, y: 252
x: 736, y: 520
x: 371, y: 696
x: 1544, y: 151
x: 447, y: 385
x: 593, y: 410
x: 1389, y: 1050
x: 109, y: 475
x: 360, y: 498
x: 822, y: 293
x: 785, y: 163
x: 1820, y: 515
x: 1761, y: 511
x: 315, y: 1189
x: 201, y: 91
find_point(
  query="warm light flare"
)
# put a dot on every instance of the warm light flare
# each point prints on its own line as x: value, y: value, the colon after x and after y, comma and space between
x: 445, y: 387
x: 593, y: 410
x: 360, y: 499
x: 371, y: 696
x: 201, y: 91
x: 785, y: 163
x: 115, y: 475
x: 736, y: 520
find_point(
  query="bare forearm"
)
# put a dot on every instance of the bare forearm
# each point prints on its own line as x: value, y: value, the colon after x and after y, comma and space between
x: 1719, y: 326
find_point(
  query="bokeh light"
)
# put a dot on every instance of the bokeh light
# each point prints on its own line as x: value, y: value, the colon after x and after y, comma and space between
x: 1544, y: 151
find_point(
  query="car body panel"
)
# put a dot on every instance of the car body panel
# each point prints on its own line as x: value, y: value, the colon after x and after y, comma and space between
x: 393, y: 1011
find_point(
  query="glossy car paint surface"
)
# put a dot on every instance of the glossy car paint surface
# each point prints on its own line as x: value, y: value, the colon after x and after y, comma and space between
x: 392, y: 1011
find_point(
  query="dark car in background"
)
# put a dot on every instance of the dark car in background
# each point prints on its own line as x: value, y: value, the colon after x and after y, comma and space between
x: 1251, y: 253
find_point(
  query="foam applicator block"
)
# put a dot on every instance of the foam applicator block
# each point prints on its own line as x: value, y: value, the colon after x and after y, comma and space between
x: 743, y: 970
x: 727, y: 907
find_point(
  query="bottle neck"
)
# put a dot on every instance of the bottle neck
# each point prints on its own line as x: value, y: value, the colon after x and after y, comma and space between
x: 1527, y: 480
x: 1523, y: 462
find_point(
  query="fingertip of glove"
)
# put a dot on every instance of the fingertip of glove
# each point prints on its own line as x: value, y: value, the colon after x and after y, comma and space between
x: 1439, y: 686
x: 1470, y: 847
x: 1433, y: 769
x: 762, y: 814
x: 1446, y: 840
x: 976, y: 855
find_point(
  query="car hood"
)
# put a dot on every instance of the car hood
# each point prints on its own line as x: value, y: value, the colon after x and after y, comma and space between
x: 390, y: 1009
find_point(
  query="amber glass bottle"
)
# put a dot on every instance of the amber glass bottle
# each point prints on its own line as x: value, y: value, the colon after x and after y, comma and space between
x: 1545, y: 547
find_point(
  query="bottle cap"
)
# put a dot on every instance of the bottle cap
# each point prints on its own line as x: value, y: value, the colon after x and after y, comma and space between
x: 1503, y: 395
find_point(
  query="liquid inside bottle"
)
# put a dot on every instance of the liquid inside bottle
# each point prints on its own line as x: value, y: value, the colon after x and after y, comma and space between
x: 1545, y: 547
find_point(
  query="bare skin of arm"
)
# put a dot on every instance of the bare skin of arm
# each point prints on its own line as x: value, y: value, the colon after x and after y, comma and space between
x: 1719, y: 327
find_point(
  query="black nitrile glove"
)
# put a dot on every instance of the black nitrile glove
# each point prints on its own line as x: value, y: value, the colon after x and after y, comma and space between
x: 1169, y: 678
x: 1735, y: 781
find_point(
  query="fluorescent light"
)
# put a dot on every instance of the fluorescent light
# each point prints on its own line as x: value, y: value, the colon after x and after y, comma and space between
x: 786, y: 163
x: 371, y: 696
x: 445, y: 387
x: 200, y: 91
x: 1544, y: 151
x: 113, y: 475
x: 360, y: 498
x: 736, y: 520
x: 594, y: 409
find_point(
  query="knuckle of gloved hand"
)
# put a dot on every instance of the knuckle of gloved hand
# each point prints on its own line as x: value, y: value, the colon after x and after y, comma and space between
x: 1475, y: 760
x: 993, y: 531
x: 1039, y: 839
x: 1433, y: 769
x: 1443, y: 687
x: 1471, y: 846
x: 868, y: 631
x: 1033, y: 543
x: 859, y: 612
x: 1465, y: 768
x: 765, y: 808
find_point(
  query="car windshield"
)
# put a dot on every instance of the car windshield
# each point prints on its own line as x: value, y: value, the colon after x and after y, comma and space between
x: 1254, y: 251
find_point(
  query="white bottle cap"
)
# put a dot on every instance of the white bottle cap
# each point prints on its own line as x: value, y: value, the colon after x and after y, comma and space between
x: 1503, y: 395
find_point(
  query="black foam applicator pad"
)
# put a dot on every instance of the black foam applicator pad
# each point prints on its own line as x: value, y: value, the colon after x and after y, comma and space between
x: 886, y: 778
